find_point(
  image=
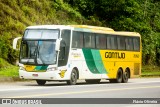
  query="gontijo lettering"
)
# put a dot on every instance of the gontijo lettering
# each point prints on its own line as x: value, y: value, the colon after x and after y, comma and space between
x: 115, y: 55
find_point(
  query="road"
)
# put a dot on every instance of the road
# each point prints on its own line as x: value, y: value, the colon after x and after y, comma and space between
x: 135, y: 88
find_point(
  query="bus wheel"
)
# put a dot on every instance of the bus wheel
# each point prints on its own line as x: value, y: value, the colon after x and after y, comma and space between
x: 93, y: 81
x: 41, y: 82
x: 118, y: 78
x: 73, y: 78
x: 125, y: 76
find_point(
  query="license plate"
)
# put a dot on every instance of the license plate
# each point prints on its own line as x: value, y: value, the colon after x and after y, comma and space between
x: 35, y: 75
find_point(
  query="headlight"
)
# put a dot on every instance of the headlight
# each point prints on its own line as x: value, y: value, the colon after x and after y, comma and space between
x: 22, y: 68
x: 52, y: 69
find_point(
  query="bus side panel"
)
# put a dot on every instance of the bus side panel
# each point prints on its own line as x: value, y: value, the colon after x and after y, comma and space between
x: 88, y: 62
x: 113, y: 60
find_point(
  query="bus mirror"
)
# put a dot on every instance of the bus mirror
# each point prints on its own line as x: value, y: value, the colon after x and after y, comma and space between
x: 15, y: 42
x: 58, y: 44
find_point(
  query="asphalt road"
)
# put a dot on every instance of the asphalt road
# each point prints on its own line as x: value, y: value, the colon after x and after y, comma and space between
x: 135, y: 88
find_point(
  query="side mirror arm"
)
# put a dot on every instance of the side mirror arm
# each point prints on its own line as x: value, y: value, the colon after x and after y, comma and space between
x: 15, y: 42
x: 57, y: 48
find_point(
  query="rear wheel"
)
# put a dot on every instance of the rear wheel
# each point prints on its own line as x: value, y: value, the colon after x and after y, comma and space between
x: 41, y: 82
x: 93, y: 81
x: 118, y: 78
x: 73, y: 78
x: 125, y: 76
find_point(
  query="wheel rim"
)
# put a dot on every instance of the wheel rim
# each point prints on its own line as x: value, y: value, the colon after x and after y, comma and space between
x: 73, y: 77
x: 119, y: 76
x: 126, y: 75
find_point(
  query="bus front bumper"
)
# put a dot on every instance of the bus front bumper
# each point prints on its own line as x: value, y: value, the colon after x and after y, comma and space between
x: 51, y: 75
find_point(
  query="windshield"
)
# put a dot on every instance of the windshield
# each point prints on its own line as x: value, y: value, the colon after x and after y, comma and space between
x: 38, y: 52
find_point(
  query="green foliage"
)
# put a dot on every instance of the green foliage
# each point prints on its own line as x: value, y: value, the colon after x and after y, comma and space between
x: 3, y: 63
x: 141, y: 16
x: 16, y: 15
x: 150, y: 71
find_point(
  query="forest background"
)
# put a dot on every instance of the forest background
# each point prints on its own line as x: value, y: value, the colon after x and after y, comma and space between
x: 141, y: 16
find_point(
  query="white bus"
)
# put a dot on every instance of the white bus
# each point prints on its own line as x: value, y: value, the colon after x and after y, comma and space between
x: 71, y: 52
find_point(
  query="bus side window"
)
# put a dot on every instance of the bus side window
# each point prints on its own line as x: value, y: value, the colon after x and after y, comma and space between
x: 129, y: 43
x: 89, y: 40
x: 77, y: 39
x: 121, y: 42
x: 108, y: 42
x: 136, y: 43
x: 100, y: 41
x: 111, y: 42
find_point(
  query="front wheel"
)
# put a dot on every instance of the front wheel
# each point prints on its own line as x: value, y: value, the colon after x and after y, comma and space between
x: 73, y: 78
x: 118, y: 78
x: 41, y: 82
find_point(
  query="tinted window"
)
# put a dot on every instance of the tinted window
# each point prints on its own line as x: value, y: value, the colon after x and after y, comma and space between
x: 77, y: 40
x: 64, y: 48
x: 89, y: 40
x: 121, y: 43
x: 41, y: 34
x: 129, y: 43
x: 100, y: 41
x: 136, y: 42
x: 111, y: 42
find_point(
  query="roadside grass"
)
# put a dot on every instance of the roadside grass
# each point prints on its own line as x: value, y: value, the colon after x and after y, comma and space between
x: 150, y: 71
x: 11, y: 71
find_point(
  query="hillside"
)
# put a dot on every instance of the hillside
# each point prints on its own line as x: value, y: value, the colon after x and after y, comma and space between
x: 141, y: 16
x: 16, y: 15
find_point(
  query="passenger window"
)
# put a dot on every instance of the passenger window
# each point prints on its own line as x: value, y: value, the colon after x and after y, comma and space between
x: 136, y: 42
x: 89, y: 40
x: 100, y: 41
x: 111, y: 42
x: 129, y: 43
x: 77, y: 40
x: 121, y: 43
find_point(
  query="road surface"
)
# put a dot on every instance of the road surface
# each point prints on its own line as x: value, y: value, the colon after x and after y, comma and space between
x: 135, y: 88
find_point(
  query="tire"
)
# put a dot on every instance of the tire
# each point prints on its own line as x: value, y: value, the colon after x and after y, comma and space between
x: 118, y: 77
x: 125, y: 76
x: 73, y: 78
x: 93, y: 81
x: 41, y: 82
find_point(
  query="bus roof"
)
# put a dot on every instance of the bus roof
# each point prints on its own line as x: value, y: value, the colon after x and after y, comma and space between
x: 125, y: 33
x: 49, y: 27
x: 82, y: 27
x: 93, y: 28
x: 86, y: 28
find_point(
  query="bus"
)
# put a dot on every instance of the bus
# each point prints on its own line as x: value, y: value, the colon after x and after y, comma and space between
x: 78, y: 52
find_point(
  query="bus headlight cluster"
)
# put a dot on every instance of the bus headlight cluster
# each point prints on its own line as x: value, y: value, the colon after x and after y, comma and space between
x: 22, y: 68
x: 52, y: 69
